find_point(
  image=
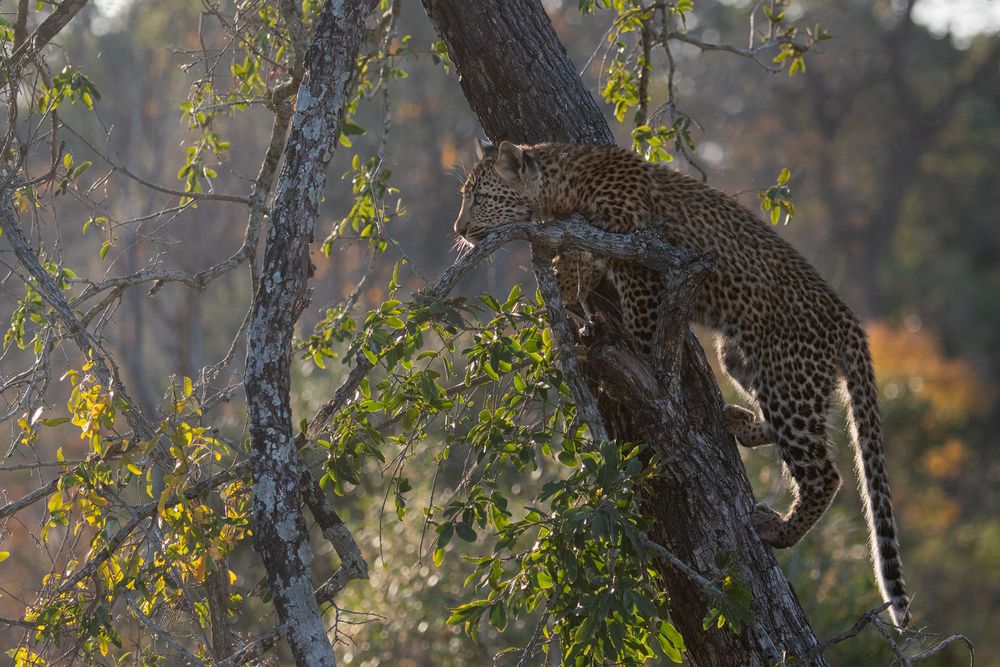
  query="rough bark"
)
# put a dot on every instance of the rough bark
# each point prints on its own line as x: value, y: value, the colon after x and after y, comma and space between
x: 530, y: 96
x: 523, y: 87
x: 280, y: 534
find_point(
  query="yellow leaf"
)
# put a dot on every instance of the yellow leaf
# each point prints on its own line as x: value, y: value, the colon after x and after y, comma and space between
x: 24, y: 656
x: 56, y: 501
x: 164, y: 497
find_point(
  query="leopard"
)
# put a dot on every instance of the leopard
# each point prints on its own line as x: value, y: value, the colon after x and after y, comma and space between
x: 784, y: 338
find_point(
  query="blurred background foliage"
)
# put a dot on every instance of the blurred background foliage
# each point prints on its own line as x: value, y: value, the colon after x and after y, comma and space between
x: 893, y: 145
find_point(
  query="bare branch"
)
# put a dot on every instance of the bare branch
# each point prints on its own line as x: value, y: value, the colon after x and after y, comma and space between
x: 49, y: 28
x: 871, y: 617
x: 586, y: 406
x: 944, y: 643
x: 753, y: 53
x: 866, y: 618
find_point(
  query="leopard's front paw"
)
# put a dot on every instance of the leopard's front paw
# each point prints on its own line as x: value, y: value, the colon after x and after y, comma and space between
x: 744, y: 426
x: 771, y: 527
x: 737, y: 417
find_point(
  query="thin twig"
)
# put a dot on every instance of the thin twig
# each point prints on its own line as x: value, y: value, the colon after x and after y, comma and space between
x: 162, y: 633
x: 866, y: 618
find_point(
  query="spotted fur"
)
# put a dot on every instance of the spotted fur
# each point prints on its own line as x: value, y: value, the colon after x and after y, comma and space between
x: 783, y: 336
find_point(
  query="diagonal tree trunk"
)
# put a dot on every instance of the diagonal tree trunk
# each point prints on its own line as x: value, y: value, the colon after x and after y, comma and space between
x: 523, y: 87
x: 280, y: 534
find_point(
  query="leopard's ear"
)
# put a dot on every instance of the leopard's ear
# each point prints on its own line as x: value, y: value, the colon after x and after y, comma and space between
x: 514, y: 165
x: 485, y: 148
x: 510, y: 162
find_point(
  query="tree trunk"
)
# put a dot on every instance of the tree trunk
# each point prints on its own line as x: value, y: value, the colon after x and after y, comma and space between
x: 280, y: 534
x: 523, y: 87
x: 515, y: 72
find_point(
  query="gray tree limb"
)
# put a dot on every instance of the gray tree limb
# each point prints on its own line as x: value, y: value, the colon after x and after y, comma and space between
x: 280, y: 534
x: 49, y: 28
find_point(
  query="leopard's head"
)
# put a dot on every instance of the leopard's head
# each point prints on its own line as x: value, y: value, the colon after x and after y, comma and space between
x: 500, y: 189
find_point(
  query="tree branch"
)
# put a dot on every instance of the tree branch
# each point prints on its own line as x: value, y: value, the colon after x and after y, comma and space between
x: 49, y: 28
x: 46, y: 286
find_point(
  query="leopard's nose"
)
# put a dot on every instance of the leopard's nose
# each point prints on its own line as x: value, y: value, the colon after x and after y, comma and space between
x: 461, y: 222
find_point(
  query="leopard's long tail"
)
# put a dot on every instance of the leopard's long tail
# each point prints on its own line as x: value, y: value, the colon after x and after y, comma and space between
x: 865, y: 427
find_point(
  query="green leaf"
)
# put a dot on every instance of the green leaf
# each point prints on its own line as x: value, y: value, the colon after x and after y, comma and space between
x: 488, y: 368
x: 349, y: 128
x: 82, y: 167
x: 512, y: 298
x: 445, y: 532
x: 671, y: 642
x: 466, y: 532
x: 466, y: 612
x: 568, y: 459
x: 498, y: 617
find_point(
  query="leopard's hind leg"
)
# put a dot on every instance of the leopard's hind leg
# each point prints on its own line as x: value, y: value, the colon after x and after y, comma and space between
x: 798, y: 422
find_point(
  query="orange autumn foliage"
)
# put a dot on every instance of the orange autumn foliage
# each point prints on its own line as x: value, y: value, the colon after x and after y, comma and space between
x: 909, y: 364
